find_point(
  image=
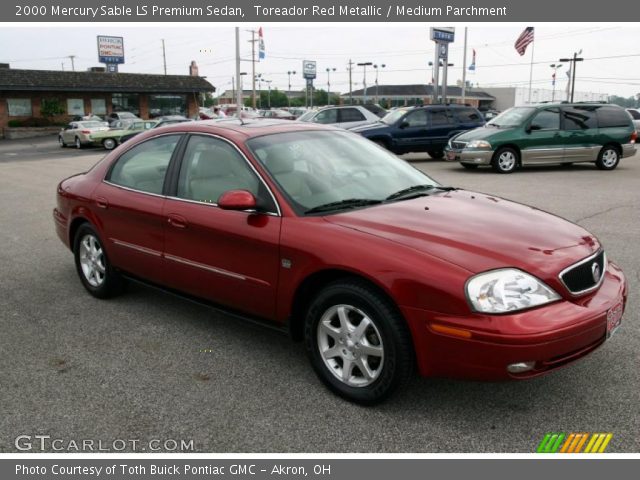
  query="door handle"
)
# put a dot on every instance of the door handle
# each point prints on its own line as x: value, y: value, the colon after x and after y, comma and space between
x: 102, y: 202
x: 177, y: 221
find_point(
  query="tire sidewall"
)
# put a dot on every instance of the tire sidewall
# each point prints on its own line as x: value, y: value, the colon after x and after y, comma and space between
x: 600, y: 162
x: 377, y: 311
x: 109, y: 143
x: 496, y: 164
x: 111, y: 281
x: 78, y: 144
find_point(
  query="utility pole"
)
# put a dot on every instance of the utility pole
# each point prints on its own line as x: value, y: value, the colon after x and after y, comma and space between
x: 573, y: 62
x: 164, y: 57
x: 73, y: 66
x: 464, y: 69
x: 253, y: 67
x: 238, y: 88
x: 364, y: 79
x: 350, y: 84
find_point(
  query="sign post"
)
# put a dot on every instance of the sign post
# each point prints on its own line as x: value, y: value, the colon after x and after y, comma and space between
x: 442, y: 36
x: 309, y: 74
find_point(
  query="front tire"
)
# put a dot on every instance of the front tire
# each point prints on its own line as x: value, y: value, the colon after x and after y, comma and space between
x: 78, y: 143
x: 61, y: 142
x: 358, y: 342
x: 109, y: 143
x: 436, y: 154
x: 92, y: 264
x: 505, y: 160
x: 608, y: 158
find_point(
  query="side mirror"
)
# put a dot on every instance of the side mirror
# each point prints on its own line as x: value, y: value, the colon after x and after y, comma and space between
x: 237, y: 200
x: 403, y: 124
x: 533, y: 127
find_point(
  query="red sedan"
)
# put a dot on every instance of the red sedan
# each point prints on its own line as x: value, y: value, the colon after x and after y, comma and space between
x: 320, y: 232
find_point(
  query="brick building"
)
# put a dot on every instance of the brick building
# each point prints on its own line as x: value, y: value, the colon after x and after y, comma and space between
x: 24, y: 93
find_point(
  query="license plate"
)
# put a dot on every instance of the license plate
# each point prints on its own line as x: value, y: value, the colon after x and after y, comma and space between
x: 451, y: 155
x: 614, y: 318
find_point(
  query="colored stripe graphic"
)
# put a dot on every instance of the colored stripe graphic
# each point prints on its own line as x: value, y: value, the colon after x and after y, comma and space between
x: 573, y: 442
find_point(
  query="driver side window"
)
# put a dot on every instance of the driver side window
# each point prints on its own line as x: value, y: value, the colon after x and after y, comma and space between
x: 417, y: 118
x: 548, y: 119
x: 326, y: 116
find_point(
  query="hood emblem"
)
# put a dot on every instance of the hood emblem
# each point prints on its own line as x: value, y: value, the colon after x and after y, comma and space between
x: 595, y: 272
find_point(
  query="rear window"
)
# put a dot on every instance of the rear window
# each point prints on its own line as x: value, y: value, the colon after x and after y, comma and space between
x: 634, y: 114
x: 351, y: 115
x: 579, y: 118
x: 613, y: 117
x: 466, y: 115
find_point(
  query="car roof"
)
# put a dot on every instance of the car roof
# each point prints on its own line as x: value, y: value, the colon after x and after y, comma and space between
x: 247, y: 128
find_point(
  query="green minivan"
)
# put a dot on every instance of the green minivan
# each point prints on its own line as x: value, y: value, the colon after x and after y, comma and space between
x: 548, y: 134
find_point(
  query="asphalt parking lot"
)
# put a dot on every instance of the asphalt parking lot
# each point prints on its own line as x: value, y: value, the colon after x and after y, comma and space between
x: 148, y: 365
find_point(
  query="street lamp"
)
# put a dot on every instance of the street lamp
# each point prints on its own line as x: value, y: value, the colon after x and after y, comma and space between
x: 555, y: 67
x: 259, y: 79
x: 289, y: 73
x: 268, y: 82
x: 364, y: 66
x: 329, y: 83
x: 572, y: 67
x: 242, y: 74
x: 376, y: 67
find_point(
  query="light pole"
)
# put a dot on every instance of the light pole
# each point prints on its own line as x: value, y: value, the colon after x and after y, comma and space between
x: 259, y: 79
x: 289, y: 73
x: 242, y: 74
x: 573, y: 61
x: 329, y: 70
x: 376, y: 67
x: 268, y: 82
x: 555, y: 67
x: 364, y: 66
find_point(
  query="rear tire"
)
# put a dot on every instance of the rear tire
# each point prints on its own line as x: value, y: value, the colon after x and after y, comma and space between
x: 109, y: 143
x: 436, y: 154
x: 351, y: 325
x: 608, y: 158
x: 78, y: 143
x: 505, y: 160
x: 92, y: 264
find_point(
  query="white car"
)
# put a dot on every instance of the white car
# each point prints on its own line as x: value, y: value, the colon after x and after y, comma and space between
x: 635, y: 114
x: 344, y: 117
x: 79, y: 133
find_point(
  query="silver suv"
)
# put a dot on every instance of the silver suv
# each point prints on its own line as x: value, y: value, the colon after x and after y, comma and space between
x: 344, y: 117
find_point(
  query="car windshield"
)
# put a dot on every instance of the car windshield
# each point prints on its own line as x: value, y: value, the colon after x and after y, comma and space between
x: 393, y: 116
x: 307, y: 116
x: 512, y: 117
x: 317, y: 168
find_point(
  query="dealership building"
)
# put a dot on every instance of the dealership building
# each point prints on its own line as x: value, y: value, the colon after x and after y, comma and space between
x: 34, y: 94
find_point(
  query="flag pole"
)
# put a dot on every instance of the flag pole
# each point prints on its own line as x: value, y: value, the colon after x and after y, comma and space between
x: 533, y: 43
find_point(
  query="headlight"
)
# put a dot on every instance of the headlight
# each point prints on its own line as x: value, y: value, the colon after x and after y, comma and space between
x: 507, y: 290
x: 478, y: 144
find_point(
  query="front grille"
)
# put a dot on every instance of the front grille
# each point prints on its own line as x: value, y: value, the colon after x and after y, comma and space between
x: 458, y: 145
x: 580, y: 278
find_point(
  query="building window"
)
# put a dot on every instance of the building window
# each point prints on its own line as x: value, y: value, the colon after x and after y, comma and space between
x: 75, y: 106
x: 98, y: 106
x: 19, y: 107
x: 160, y: 105
x: 126, y: 102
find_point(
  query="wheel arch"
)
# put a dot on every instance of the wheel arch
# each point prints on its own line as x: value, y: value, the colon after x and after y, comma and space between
x: 313, y: 283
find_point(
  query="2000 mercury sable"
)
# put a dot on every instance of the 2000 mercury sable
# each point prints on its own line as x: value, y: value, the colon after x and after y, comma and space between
x: 322, y: 233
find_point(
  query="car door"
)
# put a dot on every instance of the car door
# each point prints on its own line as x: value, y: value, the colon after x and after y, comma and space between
x: 441, y: 124
x: 225, y: 256
x: 411, y: 131
x: 543, y: 141
x: 350, y: 117
x: 68, y: 135
x: 130, y: 206
x: 580, y: 129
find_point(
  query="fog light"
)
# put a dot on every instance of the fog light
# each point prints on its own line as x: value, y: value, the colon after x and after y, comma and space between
x: 521, y: 367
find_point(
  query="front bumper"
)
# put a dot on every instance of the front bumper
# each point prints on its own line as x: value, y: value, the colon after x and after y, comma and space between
x: 579, y: 327
x: 476, y: 157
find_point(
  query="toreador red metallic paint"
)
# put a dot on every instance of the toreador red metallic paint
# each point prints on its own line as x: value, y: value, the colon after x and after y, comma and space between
x: 420, y: 252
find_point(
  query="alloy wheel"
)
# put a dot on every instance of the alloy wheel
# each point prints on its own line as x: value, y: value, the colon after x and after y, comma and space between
x: 92, y: 260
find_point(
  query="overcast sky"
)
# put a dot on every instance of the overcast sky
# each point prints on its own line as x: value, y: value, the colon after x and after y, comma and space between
x: 611, y: 53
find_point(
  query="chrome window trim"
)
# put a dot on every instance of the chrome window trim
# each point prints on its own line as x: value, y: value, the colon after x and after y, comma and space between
x: 581, y: 262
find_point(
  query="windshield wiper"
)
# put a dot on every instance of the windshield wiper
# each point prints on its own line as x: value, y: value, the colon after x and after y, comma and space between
x: 343, y: 204
x: 416, y: 191
x: 493, y: 125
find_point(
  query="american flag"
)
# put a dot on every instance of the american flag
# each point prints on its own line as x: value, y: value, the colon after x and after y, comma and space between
x: 525, y: 38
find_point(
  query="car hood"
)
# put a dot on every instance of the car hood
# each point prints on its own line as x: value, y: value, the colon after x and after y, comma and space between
x: 481, y: 133
x: 477, y: 232
x: 374, y: 127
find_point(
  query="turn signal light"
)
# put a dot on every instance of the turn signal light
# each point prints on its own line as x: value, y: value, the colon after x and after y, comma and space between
x: 634, y: 136
x: 455, y: 332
